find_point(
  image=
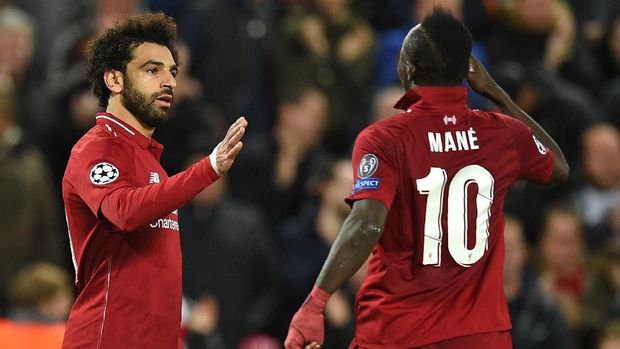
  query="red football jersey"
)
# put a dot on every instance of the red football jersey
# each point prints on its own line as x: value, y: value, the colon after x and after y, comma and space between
x: 121, y: 212
x: 443, y: 171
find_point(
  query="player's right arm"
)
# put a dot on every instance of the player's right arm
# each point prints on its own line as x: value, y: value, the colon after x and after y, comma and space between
x: 358, y: 235
x: 376, y: 178
x: 481, y: 82
x: 129, y: 207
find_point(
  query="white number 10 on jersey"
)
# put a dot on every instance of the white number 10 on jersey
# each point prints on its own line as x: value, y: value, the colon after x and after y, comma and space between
x: 434, y: 185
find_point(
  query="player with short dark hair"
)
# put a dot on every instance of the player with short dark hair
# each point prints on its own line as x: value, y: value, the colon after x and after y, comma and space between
x: 121, y: 206
x: 427, y: 201
x: 441, y: 48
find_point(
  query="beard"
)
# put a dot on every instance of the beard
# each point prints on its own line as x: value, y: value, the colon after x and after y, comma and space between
x: 143, y: 107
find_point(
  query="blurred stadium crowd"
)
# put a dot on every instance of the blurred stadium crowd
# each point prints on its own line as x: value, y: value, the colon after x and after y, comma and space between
x: 308, y: 75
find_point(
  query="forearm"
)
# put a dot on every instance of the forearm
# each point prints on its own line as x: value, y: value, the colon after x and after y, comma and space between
x: 131, y: 208
x: 354, y: 243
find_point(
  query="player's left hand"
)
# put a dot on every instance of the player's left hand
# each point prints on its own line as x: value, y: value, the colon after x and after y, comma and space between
x: 306, y: 330
x: 228, y: 148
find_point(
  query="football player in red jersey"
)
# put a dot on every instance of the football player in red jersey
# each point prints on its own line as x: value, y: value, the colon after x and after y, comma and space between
x: 121, y: 206
x: 427, y: 201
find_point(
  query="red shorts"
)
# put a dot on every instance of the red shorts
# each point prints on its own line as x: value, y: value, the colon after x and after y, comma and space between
x: 491, y: 340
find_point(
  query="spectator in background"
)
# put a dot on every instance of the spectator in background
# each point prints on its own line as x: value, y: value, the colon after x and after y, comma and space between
x: 200, y: 322
x: 605, y: 38
x: 567, y: 273
x: 563, y: 261
x: 73, y: 107
x: 50, y: 18
x: 272, y: 171
x: 543, y: 33
x: 534, y: 32
x: 228, y: 263
x: 41, y: 292
x: 599, y: 192
x: 592, y: 18
x: 330, y: 47
x: 307, y: 238
x: 29, y: 213
x: 604, y: 304
x: 561, y: 107
x: 232, y: 49
x: 536, y: 321
x: 610, y: 336
x: 609, y: 56
x: 41, y: 296
x: 31, y: 101
x: 565, y: 112
x: 74, y: 119
x: 69, y: 51
x: 383, y: 102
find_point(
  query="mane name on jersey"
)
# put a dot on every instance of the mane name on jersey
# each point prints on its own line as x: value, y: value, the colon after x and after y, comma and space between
x: 453, y: 141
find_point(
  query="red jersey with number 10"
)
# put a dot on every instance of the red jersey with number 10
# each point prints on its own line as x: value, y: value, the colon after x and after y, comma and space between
x: 443, y: 171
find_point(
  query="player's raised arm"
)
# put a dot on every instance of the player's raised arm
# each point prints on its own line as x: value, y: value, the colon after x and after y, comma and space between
x: 359, y: 233
x: 130, y: 208
x: 481, y: 82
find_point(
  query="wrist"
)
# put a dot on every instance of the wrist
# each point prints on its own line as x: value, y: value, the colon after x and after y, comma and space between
x: 316, y: 300
x: 213, y: 160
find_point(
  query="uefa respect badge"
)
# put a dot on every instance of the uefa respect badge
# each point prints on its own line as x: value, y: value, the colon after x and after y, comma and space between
x: 368, y: 166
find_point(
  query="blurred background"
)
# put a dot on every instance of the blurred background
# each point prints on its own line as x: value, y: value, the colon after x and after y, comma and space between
x: 309, y: 75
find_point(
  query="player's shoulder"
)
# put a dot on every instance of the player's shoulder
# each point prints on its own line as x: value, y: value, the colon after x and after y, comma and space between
x: 98, y: 141
x: 496, y: 119
x: 386, y: 129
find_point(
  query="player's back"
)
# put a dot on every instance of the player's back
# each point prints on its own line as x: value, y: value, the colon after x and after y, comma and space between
x: 443, y: 170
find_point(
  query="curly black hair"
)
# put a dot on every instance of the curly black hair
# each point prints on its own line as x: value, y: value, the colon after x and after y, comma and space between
x: 440, y: 49
x: 114, y: 49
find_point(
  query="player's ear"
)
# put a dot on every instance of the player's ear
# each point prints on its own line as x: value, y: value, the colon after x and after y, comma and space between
x: 410, y: 70
x: 113, y: 80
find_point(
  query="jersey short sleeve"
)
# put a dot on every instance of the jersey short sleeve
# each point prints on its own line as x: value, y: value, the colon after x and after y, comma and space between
x: 375, y: 174
x: 536, y: 161
x: 101, y: 167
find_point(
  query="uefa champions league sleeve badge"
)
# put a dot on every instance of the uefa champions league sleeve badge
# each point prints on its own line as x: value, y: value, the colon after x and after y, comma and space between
x: 103, y: 173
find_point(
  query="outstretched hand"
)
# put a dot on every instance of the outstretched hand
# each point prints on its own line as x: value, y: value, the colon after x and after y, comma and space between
x: 230, y: 146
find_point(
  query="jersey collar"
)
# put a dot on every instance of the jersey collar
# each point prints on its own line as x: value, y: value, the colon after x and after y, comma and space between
x: 116, y: 125
x: 428, y: 97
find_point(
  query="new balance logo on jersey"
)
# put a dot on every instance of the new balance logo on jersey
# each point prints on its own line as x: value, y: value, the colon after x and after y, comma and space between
x: 154, y: 178
x: 453, y: 141
x: 449, y: 119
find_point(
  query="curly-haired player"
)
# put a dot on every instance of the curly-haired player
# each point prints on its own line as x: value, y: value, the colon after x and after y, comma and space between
x: 121, y: 206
